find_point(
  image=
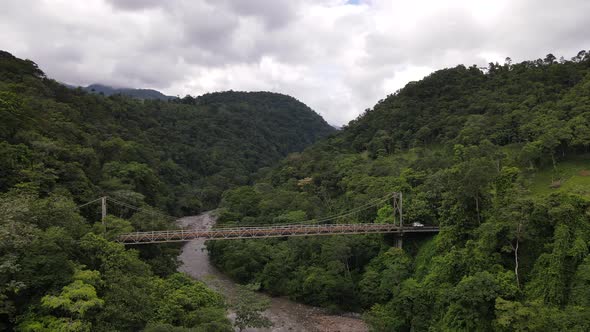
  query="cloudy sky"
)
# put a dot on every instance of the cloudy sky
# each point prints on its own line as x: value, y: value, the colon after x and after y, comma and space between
x: 339, y: 57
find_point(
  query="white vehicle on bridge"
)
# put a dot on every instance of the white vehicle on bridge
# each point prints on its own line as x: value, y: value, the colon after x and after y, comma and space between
x: 417, y: 224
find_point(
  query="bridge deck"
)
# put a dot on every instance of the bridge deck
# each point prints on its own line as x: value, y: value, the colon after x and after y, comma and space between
x: 267, y: 231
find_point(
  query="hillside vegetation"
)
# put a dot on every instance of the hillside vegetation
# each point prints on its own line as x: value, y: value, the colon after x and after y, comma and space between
x: 60, y: 147
x: 498, y: 158
x: 178, y: 155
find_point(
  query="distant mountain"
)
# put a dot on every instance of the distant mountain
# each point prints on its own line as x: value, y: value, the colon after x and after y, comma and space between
x: 135, y: 93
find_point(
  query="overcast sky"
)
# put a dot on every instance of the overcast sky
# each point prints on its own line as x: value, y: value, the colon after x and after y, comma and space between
x: 339, y: 57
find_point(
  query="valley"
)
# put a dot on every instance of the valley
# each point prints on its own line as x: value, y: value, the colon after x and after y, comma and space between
x: 494, y: 162
x: 285, y: 315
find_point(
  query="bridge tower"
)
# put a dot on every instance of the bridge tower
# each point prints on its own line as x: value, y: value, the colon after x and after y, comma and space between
x: 103, y: 214
x: 398, y: 205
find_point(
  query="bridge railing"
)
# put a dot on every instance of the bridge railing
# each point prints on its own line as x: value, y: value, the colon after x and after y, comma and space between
x: 267, y: 231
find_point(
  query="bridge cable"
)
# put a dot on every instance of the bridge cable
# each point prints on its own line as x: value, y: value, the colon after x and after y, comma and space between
x: 366, y: 206
x: 357, y: 209
x: 142, y: 210
x: 87, y: 203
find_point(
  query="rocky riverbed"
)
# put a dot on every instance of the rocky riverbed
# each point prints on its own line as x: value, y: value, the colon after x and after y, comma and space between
x: 285, y: 315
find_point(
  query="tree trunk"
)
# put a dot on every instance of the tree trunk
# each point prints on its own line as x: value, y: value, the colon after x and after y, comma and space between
x: 515, y: 249
x: 477, y: 209
x: 516, y: 263
x: 348, y: 270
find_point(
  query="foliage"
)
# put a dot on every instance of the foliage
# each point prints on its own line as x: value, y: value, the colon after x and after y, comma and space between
x: 179, y: 154
x: 469, y: 148
x: 473, y: 151
x: 60, y: 147
x: 249, y: 307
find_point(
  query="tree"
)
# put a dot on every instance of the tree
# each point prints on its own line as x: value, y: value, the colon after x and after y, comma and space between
x: 189, y: 303
x: 291, y: 217
x: 535, y: 316
x: 472, y: 303
x: 111, y: 227
x: 384, y: 276
x: 580, y: 131
x: 549, y: 59
x: 580, y: 287
x: 243, y: 200
x: 512, y: 219
x: 73, y: 307
x: 16, y: 233
x: 385, y: 215
x: 249, y: 308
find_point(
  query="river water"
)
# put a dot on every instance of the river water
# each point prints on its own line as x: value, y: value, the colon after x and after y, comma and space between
x: 285, y: 315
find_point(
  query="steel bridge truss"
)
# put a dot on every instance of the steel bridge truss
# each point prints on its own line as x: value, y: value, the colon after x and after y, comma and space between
x: 182, y: 235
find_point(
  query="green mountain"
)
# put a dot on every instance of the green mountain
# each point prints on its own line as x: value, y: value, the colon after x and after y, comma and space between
x: 135, y: 93
x: 498, y: 158
x: 178, y: 155
x: 59, y: 147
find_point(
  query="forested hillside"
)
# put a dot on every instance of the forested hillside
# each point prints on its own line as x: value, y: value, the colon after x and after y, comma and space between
x: 178, y: 155
x: 497, y: 157
x: 60, y: 147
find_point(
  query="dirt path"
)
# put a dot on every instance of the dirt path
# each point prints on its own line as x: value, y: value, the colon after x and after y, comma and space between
x: 286, y: 315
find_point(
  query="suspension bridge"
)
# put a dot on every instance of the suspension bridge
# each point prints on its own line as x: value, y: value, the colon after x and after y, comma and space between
x: 314, y: 227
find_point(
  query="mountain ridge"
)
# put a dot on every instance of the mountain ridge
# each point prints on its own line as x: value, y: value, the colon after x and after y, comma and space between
x: 139, y: 93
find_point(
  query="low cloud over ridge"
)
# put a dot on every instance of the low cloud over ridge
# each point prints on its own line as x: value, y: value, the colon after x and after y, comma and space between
x: 339, y: 57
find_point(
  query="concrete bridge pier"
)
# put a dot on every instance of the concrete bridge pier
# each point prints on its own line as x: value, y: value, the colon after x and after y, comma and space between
x: 398, y: 240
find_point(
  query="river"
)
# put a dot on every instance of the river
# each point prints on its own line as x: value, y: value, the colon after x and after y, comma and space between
x: 285, y: 315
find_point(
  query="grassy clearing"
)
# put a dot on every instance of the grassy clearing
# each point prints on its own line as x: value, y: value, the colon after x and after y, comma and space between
x: 570, y: 176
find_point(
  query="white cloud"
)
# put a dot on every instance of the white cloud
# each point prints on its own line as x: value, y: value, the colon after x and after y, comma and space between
x: 337, y: 56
